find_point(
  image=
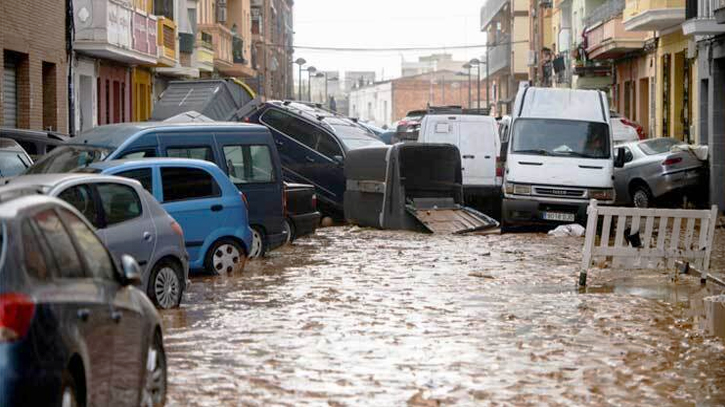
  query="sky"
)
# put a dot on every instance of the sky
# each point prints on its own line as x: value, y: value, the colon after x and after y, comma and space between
x: 384, y: 23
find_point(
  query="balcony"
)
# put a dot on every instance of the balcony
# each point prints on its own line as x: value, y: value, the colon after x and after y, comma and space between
x: 490, y: 10
x: 222, y: 42
x: 701, y: 18
x: 204, y: 52
x: 653, y: 15
x: 719, y: 11
x: 110, y: 30
x: 499, y: 57
x: 241, y: 65
x: 167, y: 42
x: 605, y: 12
x: 610, y: 40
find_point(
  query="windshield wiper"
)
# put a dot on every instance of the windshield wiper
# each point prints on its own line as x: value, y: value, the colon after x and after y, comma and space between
x: 539, y: 151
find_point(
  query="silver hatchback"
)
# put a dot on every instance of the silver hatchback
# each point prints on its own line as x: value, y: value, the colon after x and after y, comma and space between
x: 129, y: 221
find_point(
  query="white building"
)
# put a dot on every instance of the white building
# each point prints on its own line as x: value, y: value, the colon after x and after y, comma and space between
x: 373, y: 103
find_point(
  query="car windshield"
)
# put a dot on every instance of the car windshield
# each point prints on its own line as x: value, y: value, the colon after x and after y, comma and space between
x: 353, y: 136
x: 12, y: 163
x: 562, y: 138
x: 658, y: 146
x: 66, y: 158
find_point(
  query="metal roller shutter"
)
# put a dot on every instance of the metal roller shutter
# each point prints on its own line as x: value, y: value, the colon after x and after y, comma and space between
x: 10, y: 95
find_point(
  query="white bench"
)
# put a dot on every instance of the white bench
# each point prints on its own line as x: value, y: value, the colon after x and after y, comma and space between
x: 662, y: 242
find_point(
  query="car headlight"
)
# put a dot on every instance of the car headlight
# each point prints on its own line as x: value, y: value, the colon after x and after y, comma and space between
x: 601, y: 194
x: 522, y: 189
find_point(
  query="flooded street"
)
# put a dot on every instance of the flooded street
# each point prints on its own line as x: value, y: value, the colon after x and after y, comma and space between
x: 364, y: 317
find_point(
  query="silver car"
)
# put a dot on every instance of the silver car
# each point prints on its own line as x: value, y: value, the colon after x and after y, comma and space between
x: 654, y: 170
x: 129, y: 221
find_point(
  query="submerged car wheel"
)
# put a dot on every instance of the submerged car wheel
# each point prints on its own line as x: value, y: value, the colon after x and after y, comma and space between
x: 165, y: 285
x: 226, y: 256
x: 258, y: 248
x: 154, y: 391
x: 289, y: 229
x: 69, y: 391
x: 641, y: 197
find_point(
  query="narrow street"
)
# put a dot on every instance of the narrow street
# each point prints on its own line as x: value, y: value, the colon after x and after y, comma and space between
x: 355, y: 316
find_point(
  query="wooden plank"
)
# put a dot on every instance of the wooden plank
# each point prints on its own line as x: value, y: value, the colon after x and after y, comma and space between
x: 619, y: 238
x: 648, y: 229
x: 710, y: 238
x: 606, y: 230
x: 591, y: 231
x: 674, y: 240
x: 670, y: 213
x: 689, y: 232
x: 662, y: 232
x: 651, y: 253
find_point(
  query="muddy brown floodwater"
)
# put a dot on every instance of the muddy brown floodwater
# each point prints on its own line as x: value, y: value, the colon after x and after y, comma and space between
x: 364, y: 317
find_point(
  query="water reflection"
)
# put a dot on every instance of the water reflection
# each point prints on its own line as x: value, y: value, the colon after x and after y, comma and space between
x: 362, y: 317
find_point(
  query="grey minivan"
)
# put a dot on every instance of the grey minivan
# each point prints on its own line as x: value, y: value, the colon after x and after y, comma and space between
x: 254, y: 168
x: 129, y: 221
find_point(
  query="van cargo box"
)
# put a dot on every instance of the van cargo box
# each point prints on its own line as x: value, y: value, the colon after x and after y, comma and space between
x: 217, y: 99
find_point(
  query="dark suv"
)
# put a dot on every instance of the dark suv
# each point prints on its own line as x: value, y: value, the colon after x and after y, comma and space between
x: 73, y: 329
x: 312, y: 143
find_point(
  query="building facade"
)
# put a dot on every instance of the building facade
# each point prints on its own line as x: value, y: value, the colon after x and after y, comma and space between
x: 272, y: 36
x: 431, y: 63
x: 33, y: 65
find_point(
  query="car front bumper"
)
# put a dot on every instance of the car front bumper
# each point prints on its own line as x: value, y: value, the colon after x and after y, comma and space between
x: 305, y: 224
x: 529, y: 212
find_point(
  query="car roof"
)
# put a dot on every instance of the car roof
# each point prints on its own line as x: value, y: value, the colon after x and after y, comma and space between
x: 114, y: 135
x: 34, y: 134
x: 104, y: 165
x: 314, y: 113
x: 10, y: 144
x: 468, y: 117
x: 46, y: 181
x: 567, y: 104
x: 13, y: 206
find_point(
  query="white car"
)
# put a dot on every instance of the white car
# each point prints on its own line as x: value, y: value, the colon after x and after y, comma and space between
x: 624, y: 130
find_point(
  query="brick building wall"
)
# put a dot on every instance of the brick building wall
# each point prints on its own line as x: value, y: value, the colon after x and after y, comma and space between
x: 33, y: 33
x: 415, y: 94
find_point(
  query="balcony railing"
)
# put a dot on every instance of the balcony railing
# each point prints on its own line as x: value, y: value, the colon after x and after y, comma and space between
x: 653, y: 15
x: 499, y: 56
x: 489, y: 11
x: 719, y: 11
x: 145, y: 28
x: 700, y: 18
x: 222, y: 42
x: 605, y: 12
x: 610, y: 40
x: 167, y: 41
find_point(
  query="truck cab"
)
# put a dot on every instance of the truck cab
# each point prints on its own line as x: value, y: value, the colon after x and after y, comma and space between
x: 559, y: 157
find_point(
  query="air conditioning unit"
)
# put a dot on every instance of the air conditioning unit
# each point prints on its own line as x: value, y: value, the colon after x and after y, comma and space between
x: 221, y: 11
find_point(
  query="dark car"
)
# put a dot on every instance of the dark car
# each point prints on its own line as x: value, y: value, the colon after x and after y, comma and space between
x: 245, y: 152
x: 13, y: 158
x: 35, y: 143
x: 301, y: 217
x: 313, y: 143
x: 73, y: 328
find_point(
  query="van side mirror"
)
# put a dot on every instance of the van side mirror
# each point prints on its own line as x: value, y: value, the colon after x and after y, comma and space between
x: 619, y: 158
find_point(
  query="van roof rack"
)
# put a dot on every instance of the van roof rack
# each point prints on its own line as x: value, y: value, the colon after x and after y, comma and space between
x: 458, y: 110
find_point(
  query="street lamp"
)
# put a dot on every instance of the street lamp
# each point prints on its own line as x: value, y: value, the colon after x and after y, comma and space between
x: 477, y: 63
x: 327, y: 96
x: 468, y: 66
x: 310, y: 71
x: 300, y: 62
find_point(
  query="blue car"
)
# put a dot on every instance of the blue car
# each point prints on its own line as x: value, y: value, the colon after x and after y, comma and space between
x: 202, y: 199
x: 246, y: 153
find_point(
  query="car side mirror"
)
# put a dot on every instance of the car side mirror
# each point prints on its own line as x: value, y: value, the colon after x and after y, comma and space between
x: 619, y: 158
x: 131, y: 271
x: 339, y: 159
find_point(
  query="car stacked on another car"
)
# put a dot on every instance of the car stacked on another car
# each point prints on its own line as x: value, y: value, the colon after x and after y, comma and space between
x: 408, y: 127
x: 74, y: 331
x: 13, y: 158
x: 35, y: 143
x: 658, y: 169
x: 129, y: 221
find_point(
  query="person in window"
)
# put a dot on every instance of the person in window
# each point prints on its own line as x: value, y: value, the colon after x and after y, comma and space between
x: 594, y: 147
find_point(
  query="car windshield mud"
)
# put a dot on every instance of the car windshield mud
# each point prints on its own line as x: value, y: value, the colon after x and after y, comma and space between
x: 564, y: 138
x: 67, y: 158
x: 658, y: 146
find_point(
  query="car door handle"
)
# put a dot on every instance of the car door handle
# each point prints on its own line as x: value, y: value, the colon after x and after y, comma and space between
x: 216, y: 208
x: 309, y: 159
x: 488, y: 157
x: 116, y: 316
x: 469, y: 157
x: 84, y: 314
x: 147, y: 236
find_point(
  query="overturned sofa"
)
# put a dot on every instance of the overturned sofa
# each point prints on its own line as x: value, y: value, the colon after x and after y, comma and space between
x: 410, y: 187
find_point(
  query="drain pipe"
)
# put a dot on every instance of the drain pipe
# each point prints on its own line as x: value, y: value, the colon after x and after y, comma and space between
x: 69, y: 38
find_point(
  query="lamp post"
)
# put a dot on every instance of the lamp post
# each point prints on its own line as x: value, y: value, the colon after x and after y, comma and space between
x: 477, y: 63
x: 300, y: 62
x: 327, y: 95
x: 467, y: 66
x: 310, y: 71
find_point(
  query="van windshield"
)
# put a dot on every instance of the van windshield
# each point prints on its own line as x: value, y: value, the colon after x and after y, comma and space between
x: 561, y: 138
x: 67, y: 158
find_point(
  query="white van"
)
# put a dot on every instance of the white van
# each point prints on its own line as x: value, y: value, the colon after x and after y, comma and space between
x: 559, y: 155
x: 476, y: 137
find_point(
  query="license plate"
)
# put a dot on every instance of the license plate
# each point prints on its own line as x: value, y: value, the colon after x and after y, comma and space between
x: 559, y: 216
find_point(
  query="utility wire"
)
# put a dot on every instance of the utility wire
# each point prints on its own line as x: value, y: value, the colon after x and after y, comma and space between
x: 393, y: 49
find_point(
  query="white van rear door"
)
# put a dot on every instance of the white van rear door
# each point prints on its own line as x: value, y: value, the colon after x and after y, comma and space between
x: 441, y: 130
x: 478, y: 153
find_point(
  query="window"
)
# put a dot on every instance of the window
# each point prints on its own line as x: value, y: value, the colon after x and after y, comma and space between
x: 180, y: 183
x: 328, y: 147
x: 198, y: 153
x: 142, y: 175
x: 134, y: 155
x: 249, y: 164
x: 628, y: 155
x: 29, y: 147
x: 12, y: 163
x: 567, y: 138
x: 35, y: 263
x: 120, y: 203
x: 50, y: 112
x: 81, y: 197
x: 66, y: 257
x: 299, y: 130
x: 98, y: 261
x: 67, y: 158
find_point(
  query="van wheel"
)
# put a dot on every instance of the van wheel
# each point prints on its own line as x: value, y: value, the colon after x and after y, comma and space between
x: 69, y: 391
x: 641, y: 197
x: 290, y: 229
x: 258, y: 247
x: 225, y: 256
x: 165, y: 284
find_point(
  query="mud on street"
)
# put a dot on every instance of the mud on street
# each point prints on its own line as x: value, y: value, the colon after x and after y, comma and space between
x: 355, y: 316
